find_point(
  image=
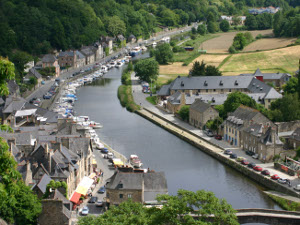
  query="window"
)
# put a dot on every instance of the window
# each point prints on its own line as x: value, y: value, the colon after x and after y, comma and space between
x: 129, y: 196
x: 206, y: 90
x: 121, y: 195
x: 229, y: 90
x: 214, y: 90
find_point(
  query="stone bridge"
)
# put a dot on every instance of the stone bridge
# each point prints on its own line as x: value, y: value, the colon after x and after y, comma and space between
x: 267, y: 216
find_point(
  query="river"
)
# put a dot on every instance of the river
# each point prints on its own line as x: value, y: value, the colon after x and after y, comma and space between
x: 184, y: 165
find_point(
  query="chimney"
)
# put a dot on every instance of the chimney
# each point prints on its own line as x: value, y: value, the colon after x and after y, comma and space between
x: 182, y: 99
x: 191, y: 92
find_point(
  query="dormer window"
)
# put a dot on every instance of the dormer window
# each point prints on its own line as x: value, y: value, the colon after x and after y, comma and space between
x: 221, y: 83
x: 236, y: 83
x: 205, y: 83
x: 182, y: 84
x: 261, y: 88
x: 213, y: 99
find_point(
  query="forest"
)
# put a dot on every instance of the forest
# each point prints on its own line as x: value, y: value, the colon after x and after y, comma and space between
x: 37, y: 27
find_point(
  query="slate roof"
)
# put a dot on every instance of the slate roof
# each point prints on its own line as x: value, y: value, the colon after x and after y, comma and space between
x: 35, y: 73
x: 12, y: 87
x: 296, y: 134
x: 17, y: 154
x: 79, y: 145
x: 69, y: 53
x: 50, y: 115
x: 267, y: 76
x: 254, y: 129
x: 267, y: 138
x: 13, y: 104
x: 79, y: 55
x: 56, y: 194
x: 130, y: 181
x: 121, y: 37
x: 200, y: 106
x: 49, y: 58
x: 243, y: 113
x: 131, y: 37
x: 21, y: 138
x: 88, y: 50
x: 44, y: 181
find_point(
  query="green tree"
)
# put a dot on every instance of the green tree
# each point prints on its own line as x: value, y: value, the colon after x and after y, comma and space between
x: 214, y: 124
x: 17, y: 202
x: 184, y: 112
x: 194, y: 31
x: 235, y: 99
x: 164, y: 54
x: 239, y: 41
x: 251, y: 23
x: 224, y: 25
x: 212, y: 71
x: 291, y: 86
x: 198, y: 69
x: 146, y: 69
x: 7, y: 72
x: 212, y: 27
x: 201, y: 29
x: 33, y: 81
x: 20, y: 59
x: 116, y: 26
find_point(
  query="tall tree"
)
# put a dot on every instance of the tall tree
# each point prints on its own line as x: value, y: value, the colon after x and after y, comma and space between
x: 146, y: 69
x: 164, y: 54
x: 116, y: 26
x: 7, y: 72
x: 235, y: 99
x: 224, y: 25
x: 198, y: 69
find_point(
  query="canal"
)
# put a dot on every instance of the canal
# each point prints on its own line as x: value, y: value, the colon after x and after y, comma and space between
x: 185, y: 166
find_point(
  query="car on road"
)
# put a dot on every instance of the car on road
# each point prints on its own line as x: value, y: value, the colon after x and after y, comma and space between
x: 47, y: 96
x: 275, y: 177
x: 227, y: 152
x: 218, y: 137
x: 245, y: 162
x: 104, y: 150
x: 233, y: 156
x: 257, y: 168
x: 85, y: 211
x: 297, y: 187
x: 42, y: 82
x: 102, y: 190
x: 99, y: 203
x: 255, y: 156
x: 209, y: 133
x: 251, y: 165
x: 240, y: 159
x: 283, y: 181
x: 265, y: 172
x: 93, y: 199
x: 250, y: 153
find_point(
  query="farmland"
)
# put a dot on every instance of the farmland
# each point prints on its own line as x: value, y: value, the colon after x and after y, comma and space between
x: 269, y: 43
x: 279, y: 60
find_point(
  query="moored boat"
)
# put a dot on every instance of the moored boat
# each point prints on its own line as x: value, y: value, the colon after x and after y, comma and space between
x: 135, y: 161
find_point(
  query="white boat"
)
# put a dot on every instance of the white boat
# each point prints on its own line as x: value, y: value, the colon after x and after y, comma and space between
x: 119, y: 64
x: 95, y: 125
x: 135, y: 161
x: 144, y: 48
x: 154, y: 44
x: 112, y: 64
x: 104, y: 69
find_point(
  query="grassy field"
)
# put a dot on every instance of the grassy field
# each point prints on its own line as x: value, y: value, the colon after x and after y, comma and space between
x: 279, y: 60
x: 269, y: 43
x: 224, y: 41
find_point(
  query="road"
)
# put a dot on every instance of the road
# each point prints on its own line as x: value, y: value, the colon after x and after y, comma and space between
x: 140, y: 98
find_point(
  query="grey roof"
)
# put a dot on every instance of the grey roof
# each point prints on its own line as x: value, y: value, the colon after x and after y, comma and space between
x: 13, y: 104
x: 79, y: 55
x: 296, y: 134
x: 200, y: 106
x: 131, y: 36
x: 35, y: 73
x: 50, y: 115
x: 121, y: 37
x: 79, y: 145
x: 267, y: 76
x: 242, y: 114
x: 21, y: 138
x: 273, y: 94
x: 17, y: 154
x: 254, y: 129
x: 12, y: 86
x: 88, y: 50
x: 164, y: 90
x: 155, y: 181
x: 175, y: 98
x: 56, y: 194
x: 268, y: 140
x: 44, y: 181
x: 130, y: 181
x: 49, y: 58
x: 69, y: 53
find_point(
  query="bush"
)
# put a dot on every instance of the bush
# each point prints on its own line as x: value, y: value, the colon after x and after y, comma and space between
x: 193, y: 36
x: 259, y: 36
x: 178, y: 49
x: 232, y: 50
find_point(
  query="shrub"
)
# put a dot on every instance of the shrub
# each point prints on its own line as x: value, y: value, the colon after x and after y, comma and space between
x: 178, y: 49
x: 232, y: 50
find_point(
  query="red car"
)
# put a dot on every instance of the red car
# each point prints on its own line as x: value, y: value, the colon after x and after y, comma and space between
x: 258, y: 168
x: 265, y: 172
x: 245, y: 162
x: 275, y: 177
x: 218, y: 137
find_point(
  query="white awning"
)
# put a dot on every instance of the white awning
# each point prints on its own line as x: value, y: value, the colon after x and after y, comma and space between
x: 26, y: 112
x: 84, y: 185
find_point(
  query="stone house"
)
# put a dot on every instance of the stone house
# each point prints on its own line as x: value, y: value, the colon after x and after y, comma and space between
x: 200, y: 113
x: 13, y: 88
x: 263, y: 140
x: 140, y: 187
x: 99, y: 50
x: 67, y: 59
x: 240, y: 119
x: 90, y: 54
x: 230, y: 19
x: 50, y: 60
x: 293, y: 140
x: 219, y: 87
x: 277, y: 79
x: 34, y: 73
x: 40, y: 188
x: 107, y: 42
x: 131, y: 39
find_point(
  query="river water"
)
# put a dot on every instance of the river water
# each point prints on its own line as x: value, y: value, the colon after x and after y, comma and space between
x: 185, y: 166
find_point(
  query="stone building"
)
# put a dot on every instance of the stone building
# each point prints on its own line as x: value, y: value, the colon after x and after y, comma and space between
x: 67, y: 59
x: 140, y: 187
x: 216, y: 88
x: 277, y: 79
x: 294, y: 139
x: 34, y: 73
x: 50, y: 60
x: 200, y: 113
x: 89, y: 53
x: 131, y: 39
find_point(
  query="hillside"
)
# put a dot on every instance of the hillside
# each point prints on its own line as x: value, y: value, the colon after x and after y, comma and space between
x: 38, y: 26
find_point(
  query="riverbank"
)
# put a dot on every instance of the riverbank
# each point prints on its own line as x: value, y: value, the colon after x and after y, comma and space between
x: 214, y: 151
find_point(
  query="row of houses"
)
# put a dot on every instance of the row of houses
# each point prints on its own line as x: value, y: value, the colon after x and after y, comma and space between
x: 269, y: 9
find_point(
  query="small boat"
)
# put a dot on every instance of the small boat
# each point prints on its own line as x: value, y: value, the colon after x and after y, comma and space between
x: 135, y: 161
x: 135, y: 51
x: 95, y: 125
x: 119, y: 64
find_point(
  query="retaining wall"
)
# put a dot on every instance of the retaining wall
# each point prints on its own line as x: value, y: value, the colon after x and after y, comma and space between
x: 263, y: 180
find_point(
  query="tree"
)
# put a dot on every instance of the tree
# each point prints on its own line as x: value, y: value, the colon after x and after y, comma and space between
x: 224, y: 25
x: 198, y: 69
x: 251, y: 23
x: 236, y: 20
x: 146, y: 69
x: 20, y: 59
x: 201, y: 29
x: 291, y: 86
x: 212, y: 27
x: 164, y: 54
x: 175, y: 210
x: 33, y: 81
x: 116, y: 26
x: 17, y: 202
x: 214, y: 124
x: 7, y: 72
x: 194, y: 31
x: 235, y: 99
x: 239, y: 41
x: 184, y: 112
x: 212, y: 71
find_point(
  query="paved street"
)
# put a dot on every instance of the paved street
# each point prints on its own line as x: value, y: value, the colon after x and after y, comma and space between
x: 140, y: 98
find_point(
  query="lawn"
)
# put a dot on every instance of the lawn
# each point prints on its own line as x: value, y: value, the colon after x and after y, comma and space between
x: 279, y: 60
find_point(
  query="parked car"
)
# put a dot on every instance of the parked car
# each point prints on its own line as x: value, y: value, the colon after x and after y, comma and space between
x: 250, y: 153
x: 93, y: 199
x: 85, y: 211
x: 240, y: 159
x: 42, y: 82
x: 104, y: 150
x: 218, y: 137
x: 233, y: 156
x: 245, y: 162
x: 209, y: 133
x: 47, y: 96
x: 251, y: 165
x: 110, y: 155
x: 227, y: 152
x: 99, y: 203
x: 275, y: 177
x: 102, y: 190
x: 257, y: 168
x: 283, y: 181
x: 297, y: 187
x: 265, y: 172
x: 255, y: 156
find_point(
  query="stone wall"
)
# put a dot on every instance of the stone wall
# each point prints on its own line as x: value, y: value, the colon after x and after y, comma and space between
x: 114, y: 196
x: 52, y: 213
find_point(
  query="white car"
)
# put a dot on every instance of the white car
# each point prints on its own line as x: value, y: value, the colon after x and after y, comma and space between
x: 255, y: 156
x: 297, y: 187
x: 85, y: 211
x: 99, y: 203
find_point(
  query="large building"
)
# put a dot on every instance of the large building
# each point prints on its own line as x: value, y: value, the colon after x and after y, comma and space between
x: 215, y: 89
